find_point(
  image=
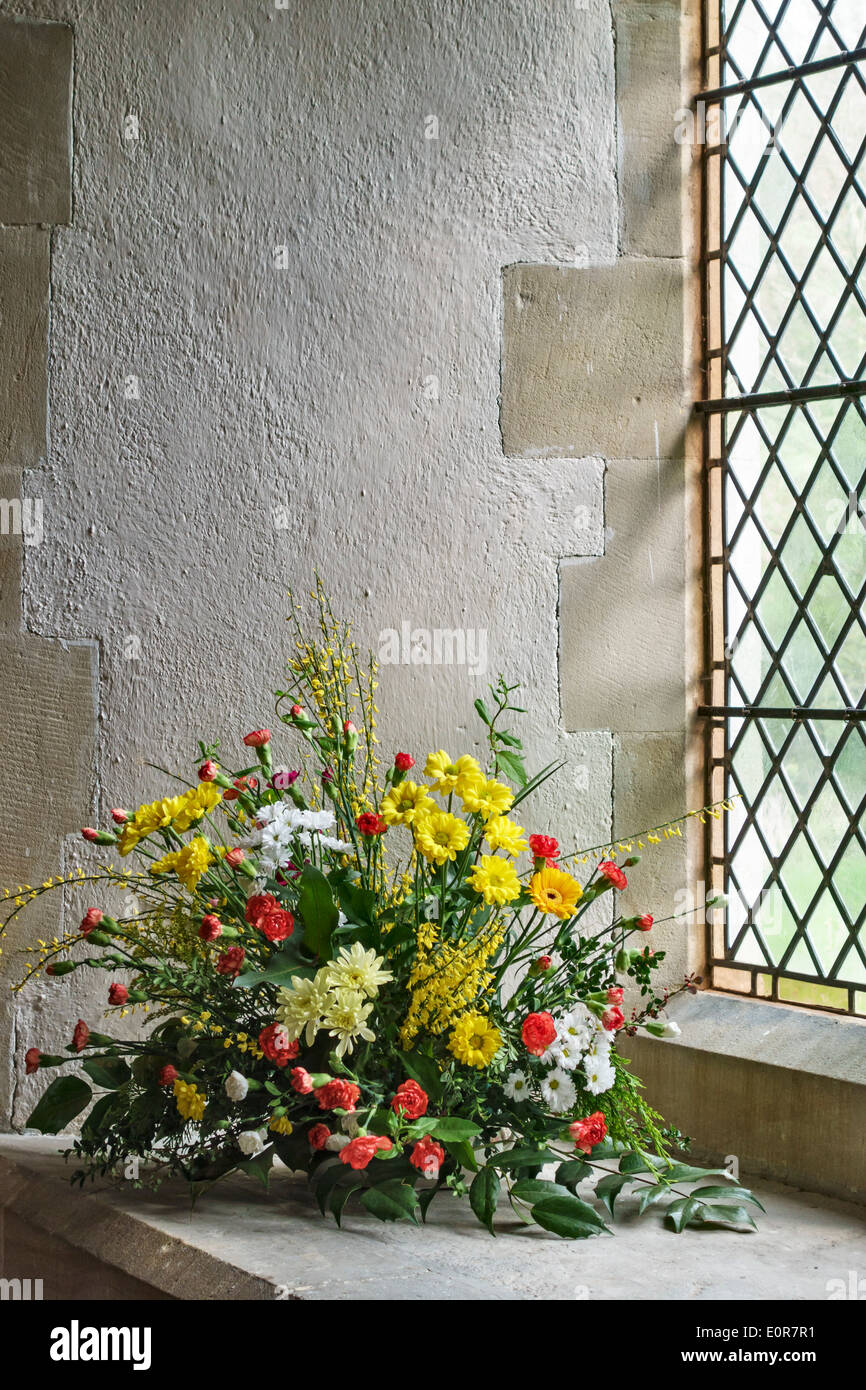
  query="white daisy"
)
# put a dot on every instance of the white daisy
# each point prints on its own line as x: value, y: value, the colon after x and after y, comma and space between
x: 599, y: 1075
x: 558, y: 1090
x: 565, y: 1054
x: 516, y: 1086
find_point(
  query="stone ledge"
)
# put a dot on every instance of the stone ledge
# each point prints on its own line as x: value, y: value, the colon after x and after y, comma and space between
x: 780, y: 1089
x: 241, y: 1243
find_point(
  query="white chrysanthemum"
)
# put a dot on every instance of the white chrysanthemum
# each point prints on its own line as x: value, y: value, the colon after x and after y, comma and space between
x: 236, y: 1086
x: 346, y: 1019
x: 599, y: 1074
x: 252, y: 1141
x: 576, y: 1028
x: 301, y: 1008
x: 558, y: 1090
x: 516, y: 1086
x: 598, y: 1051
x: 355, y: 968
x: 565, y: 1053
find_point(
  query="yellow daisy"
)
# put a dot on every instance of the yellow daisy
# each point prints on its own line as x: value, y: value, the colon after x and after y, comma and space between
x: 475, y: 1041
x: 502, y: 833
x: 450, y: 777
x: 495, y: 879
x: 406, y: 802
x: 554, y: 891
x: 487, y: 798
x: 441, y: 836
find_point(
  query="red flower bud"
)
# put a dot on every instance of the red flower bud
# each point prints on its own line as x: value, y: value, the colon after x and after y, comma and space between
x: 89, y: 833
x: 92, y: 918
x: 258, y: 738
x: 80, y: 1035
x: 644, y: 923
x: 31, y: 1060
x: 235, y: 858
x: 168, y: 1075
x: 119, y: 816
x: 403, y: 762
x: 613, y: 1019
x: 208, y: 771
x: 118, y: 994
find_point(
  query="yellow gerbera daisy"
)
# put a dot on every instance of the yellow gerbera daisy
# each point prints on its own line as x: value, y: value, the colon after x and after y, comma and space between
x: 502, y: 833
x: 488, y: 798
x: 475, y: 1040
x: 450, y: 777
x: 406, y: 801
x: 441, y: 836
x: 495, y: 879
x: 554, y: 891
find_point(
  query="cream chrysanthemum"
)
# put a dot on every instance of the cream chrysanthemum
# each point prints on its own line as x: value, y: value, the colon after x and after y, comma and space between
x: 355, y: 968
x: 346, y: 1019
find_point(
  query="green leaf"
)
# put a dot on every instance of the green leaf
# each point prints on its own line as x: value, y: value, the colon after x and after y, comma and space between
x: 712, y: 1214
x: 463, y: 1152
x: 610, y: 1187
x: 536, y: 1189
x: 453, y: 1129
x: 318, y: 911
x: 340, y: 1196
x: 357, y: 903
x: 573, y: 1171
x: 684, y: 1172
x: 512, y: 765
x: 536, y: 781
x: 568, y: 1216
x: 648, y: 1195
x: 100, y: 1112
x: 65, y: 1098
x: 483, y: 1196
x: 259, y: 1166
x: 680, y: 1213
x: 742, y: 1193
x: 107, y: 1072
x: 482, y: 711
x: 426, y: 1197
x: 392, y: 1201
x: 637, y: 1163
x: 523, y: 1158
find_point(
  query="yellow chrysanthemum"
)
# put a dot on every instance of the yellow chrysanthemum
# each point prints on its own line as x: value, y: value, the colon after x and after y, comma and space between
x: 196, y: 803
x: 450, y: 777
x: 475, y: 1041
x: 188, y: 863
x: 190, y: 1103
x: 495, y: 879
x: 502, y: 833
x: 441, y: 836
x: 281, y: 1124
x: 487, y: 798
x: 553, y: 890
x: 406, y: 802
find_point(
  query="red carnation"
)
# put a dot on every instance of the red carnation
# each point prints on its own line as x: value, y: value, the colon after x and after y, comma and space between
x: 235, y: 858
x: 168, y: 1075
x: 276, y: 925
x: 118, y: 994
x: 92, y: 918
x: 613, y: 873
x: 644, y: 923
x: 358, y: 1152
x: 296, y: 711
x: 31, y: 1060
x: 301, y: 1081
x: 230, y: 964
x: 370, y: 824
x: 80, y: 1035
x: 257, y: 904
x: 258, y: 738
x: 613, y: 1019
x: 544, y: 846
x: 337, y: 1095
x: 211, y: 927
x: 318, y: 1136
x: 428, y: 1157
x: 119, y: 816
x: 275, y: 1044
x: 615, y: 995
x: 538, y: 1032
x: 410, y: 1101
x: 589, y: 1132
x: 208, y: 771
x: 89, y: 833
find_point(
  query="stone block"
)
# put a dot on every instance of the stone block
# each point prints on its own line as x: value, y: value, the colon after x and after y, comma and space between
x: 593, y: 360
x: 622, y: 616
x: 648, y: 96
x: 36, y: 120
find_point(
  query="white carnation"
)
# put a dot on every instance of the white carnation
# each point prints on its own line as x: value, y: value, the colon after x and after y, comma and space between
x: 237, y: 1086
x: 252, y: 1141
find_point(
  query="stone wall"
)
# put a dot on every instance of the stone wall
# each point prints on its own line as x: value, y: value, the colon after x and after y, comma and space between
x: 395, y: 291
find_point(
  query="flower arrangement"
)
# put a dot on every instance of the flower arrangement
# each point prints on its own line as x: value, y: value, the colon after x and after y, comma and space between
x: 382, y: 978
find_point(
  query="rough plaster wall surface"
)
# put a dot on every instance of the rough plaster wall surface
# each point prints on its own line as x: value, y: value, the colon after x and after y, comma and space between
x: 306, y: 291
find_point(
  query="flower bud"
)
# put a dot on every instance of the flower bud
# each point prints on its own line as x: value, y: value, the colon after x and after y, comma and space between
x: 208, y: 771
x: 119, y: 816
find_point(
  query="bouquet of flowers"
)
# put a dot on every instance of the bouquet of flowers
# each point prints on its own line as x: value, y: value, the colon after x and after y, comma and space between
x: 382, y: 979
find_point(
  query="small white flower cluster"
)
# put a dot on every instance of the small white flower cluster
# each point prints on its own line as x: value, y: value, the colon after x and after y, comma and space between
x: 282, y: 826
x: 581, y: 1041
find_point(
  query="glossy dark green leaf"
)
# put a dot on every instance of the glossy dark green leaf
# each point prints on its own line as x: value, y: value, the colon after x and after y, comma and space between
x: 107, y: 1072
x: 65, y: 1098
x: 610, y: 1187
x: 317, y: 910
x: 392, y: 1201
x: 483, y: 1196
x: 568, y: 1216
